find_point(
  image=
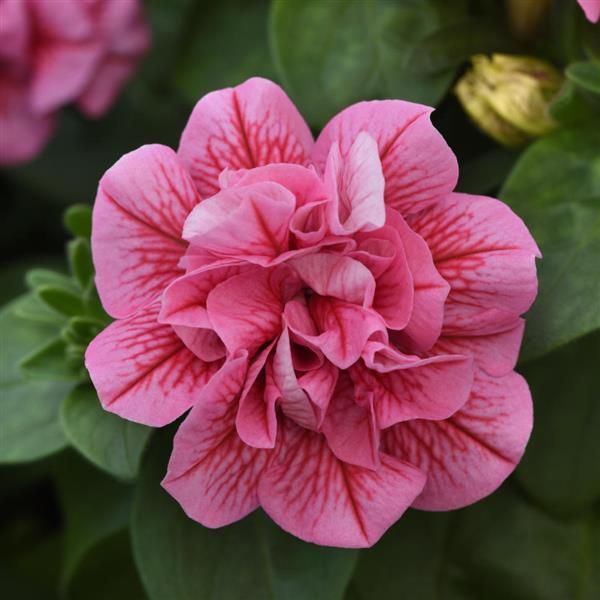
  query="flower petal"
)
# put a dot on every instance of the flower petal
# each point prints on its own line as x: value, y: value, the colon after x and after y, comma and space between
x: 245, y: 310
x: 204, y: 343
x: 407, y: 387
x: 418, y: 166
x: 591, y: 8
x: 469, y: 455
x: 350, y: 428
x: 495, y: 353
x: 486, y: 254
x: 336, y: 276
x: 248, y: 126
x: 308, y: 492
x: 143, y: 372
x: 141, y: 205
x: 256, y: 420
x: 430, y: 289
x: 355, y: 187
x: 212, y: 473
x: 250, y: 222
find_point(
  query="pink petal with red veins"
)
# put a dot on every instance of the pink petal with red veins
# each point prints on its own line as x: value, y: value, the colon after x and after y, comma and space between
x: 250, y: 222
x: 313, y: 495
x: 141, y: 205
x: 407, y: 387
x: 336, y: 276
x: 23, y: 133
x: 486, y: 254
x: 256, y: 420
x: 61, y: 72
x: 319, y: 384
x: 204, y: 343
x: 14, y: 35
x: 350, y: 429
x: 143, y: 372
x: 355, y: 186
x: 495, y: 353
x: 469, y: 455
x: 245, y: 311
x: 418, y: 166
x: 294, y: 401
x: 308, y: 225
x: 251, y: 125
x: 304, y: 183
x: 212, y: 473
x: 109, y: 78
x: 184, y: 301
x: 383, y: 254
x: 591, y: 8
x: 343, y: 329
x: 72, y: 22
x: 430, y: 289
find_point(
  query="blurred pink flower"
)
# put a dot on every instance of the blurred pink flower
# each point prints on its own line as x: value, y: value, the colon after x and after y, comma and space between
x: 53, y: 53
x: 591, y: 8
x: 343, y: 326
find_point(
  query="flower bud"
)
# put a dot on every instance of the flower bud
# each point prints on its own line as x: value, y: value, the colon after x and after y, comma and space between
x: 508, y: 97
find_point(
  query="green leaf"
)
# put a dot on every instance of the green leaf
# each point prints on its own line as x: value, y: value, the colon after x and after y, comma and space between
x: 500, y: 548
x: 449, y: 46
x: 555, y: 188
x: 110, y: 442
x: 567, y: 427
x: 61, y: 300
x: 331, y: 54
x: 234, y: 34
x: 573, y: 107
x: 78, y: 220
x: 94, y: 506
x: 49, y: 363
x: 586, y: 75
x: 80, y: 261
x: 107, y: 571
x: 29, y: 427
x: 37, y: 278
x: 31, y: 308
x: 181, y: 560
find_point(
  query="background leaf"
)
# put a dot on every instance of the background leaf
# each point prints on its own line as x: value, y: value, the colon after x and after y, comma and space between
x: 109, y: 441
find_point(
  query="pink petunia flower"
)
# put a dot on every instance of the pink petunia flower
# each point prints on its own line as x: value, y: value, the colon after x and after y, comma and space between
x: 53, y: 53
x: 342, y: 325
x: 591, y: 8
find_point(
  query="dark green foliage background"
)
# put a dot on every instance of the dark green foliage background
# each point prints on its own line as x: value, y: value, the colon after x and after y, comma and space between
x: 82, y: 515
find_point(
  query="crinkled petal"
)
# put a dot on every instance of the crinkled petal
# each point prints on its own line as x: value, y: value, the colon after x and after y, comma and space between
x: 212, y: 473
x: 142, y: 203
x: 204, y: 343
x: 143, y: 372
x: 250, y: 222
x: 469, y: 455
x: 496, y: 353
x: 350, y: 428
x: 486, y: 254
x: 248, y: 126
x: 74, y: 20
x: 407, y: 387
x: 310, y: 493
x: 356, y: 187
x: 418, y: 166
x: 430, y: 289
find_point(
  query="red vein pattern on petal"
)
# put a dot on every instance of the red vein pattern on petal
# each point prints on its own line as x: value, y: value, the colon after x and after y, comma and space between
x: 143, y: 372
x: 433, y: 388
x: 138, y: 216
x: 468, y: 456
x: 251, y: 125
x: 418, y: 166
x: 486, y: 254
x: 212, y: 473
x: 308, y: 492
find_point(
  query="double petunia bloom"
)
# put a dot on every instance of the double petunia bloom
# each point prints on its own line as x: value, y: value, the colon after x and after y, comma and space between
x: 342, y: 325
x: 57, y: 52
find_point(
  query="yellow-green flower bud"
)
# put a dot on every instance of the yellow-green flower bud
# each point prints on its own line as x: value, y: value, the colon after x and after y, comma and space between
x: 508, y: 97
